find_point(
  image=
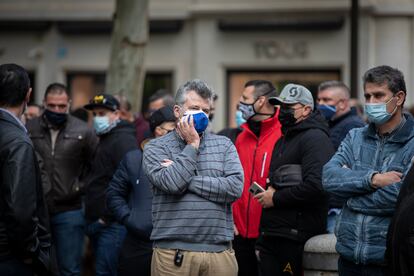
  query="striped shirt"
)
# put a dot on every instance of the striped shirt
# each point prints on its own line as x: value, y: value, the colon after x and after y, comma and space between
x: 193, y: 196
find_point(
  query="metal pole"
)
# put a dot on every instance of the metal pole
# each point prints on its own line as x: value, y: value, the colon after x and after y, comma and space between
x: 354, y: 48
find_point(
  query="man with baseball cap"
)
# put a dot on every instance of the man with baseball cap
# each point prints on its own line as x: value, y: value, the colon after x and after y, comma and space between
x: 294, y: 204
x: 116, y: 138
x: 161, y: 122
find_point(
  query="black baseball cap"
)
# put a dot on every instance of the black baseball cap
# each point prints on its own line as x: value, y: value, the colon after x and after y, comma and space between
x: 162, y: 115
x: 103, y: 100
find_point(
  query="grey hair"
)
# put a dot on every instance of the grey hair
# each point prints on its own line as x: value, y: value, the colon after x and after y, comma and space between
x: 200, y: 87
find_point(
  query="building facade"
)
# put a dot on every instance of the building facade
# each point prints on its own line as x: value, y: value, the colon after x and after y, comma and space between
x: 225, y: 43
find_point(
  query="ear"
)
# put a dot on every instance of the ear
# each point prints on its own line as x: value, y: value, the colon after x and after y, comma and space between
x: 29, y: 92
x: 177, y: 113
x: 341, y: 104
x: 157, y: 131
x: 400, y: 97
x: 307, y: 110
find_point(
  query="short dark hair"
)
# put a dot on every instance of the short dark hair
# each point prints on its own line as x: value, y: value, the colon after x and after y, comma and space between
x: 385, y: 74
x: 162, y: 94
x: 200, y: 87
x: 334, y: 84
x: 56, y: 88
x: 262, y: 88
x: 14, y: 85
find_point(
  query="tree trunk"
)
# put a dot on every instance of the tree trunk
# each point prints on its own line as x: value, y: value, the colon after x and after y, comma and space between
x: 129, y: 37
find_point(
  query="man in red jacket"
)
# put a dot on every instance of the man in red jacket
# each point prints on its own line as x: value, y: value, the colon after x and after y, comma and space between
x: 254, y: 146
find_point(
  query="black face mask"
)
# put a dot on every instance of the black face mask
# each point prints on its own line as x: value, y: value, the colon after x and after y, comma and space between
x: 55, y: 118
x: 287, y: 117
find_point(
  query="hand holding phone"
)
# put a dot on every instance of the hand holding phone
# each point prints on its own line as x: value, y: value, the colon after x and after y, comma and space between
x: 256, y: 188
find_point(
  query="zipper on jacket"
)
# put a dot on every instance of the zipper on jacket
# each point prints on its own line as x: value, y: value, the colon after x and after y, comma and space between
x: 250, y: 196
x: 359, y: 252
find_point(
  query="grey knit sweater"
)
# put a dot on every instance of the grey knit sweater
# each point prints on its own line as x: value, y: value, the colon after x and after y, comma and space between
x: 192, y: 197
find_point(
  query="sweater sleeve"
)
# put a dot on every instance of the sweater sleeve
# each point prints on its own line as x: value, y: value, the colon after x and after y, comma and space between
x: 227, y: 188
x: 175, y: 178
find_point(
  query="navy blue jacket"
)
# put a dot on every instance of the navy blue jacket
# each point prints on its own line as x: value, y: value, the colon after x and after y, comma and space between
x: 129, y: 196
x: 339, y: 127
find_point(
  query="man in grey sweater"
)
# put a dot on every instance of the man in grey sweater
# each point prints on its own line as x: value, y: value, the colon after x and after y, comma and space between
x: 195, y: 176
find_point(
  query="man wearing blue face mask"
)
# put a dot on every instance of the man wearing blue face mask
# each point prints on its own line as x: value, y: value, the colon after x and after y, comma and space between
x: 195, y: 177
x: 367, y: 172
x: 66, y: 145
x: 333, y: 101
x: 116, y: 138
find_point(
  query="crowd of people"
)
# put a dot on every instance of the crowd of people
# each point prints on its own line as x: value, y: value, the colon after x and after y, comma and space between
x: 160, y: 193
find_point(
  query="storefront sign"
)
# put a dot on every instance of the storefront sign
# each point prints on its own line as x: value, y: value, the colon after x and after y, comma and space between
x: 272, y: 49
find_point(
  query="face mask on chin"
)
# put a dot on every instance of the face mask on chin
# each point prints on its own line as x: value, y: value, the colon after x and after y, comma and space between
x: 377, y: 112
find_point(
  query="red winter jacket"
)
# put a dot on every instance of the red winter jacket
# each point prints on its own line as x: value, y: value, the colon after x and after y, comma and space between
x: 255, y: 154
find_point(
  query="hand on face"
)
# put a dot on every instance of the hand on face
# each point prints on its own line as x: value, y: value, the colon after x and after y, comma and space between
x: 187, y: 131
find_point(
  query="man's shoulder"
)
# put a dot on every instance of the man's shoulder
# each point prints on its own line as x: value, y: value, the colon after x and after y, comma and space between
x: 76, y: 124
x: 13, y: 135
x: 167, y: 140
x: 215, y: 140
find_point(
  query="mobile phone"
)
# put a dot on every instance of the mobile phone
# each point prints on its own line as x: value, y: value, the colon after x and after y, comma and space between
x: 178, y: 258
x: 256, y: 189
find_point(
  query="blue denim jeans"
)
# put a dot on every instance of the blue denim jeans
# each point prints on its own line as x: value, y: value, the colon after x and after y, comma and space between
x: 106, y: 242
x: 347, y: 268
x: 68, y: 230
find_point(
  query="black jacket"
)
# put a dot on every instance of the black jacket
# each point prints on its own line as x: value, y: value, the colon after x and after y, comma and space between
x: 66, y: 165
x: 129, y: 196
x: 111, y: 150
x: 339, y: 127
x: 300, y: 211
x: 400, y: 239
x: 24, y: 222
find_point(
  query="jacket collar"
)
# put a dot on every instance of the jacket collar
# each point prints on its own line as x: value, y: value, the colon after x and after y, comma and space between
x: 267, y: 126
x: 403, y: 133
x: 335, y: 121
x: 11, y: 118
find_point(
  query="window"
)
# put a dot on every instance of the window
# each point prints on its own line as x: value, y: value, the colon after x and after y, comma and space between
x: 308, y: 78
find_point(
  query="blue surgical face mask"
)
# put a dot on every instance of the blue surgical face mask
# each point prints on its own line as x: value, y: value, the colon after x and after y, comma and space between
x: 239, y: 118
x: 328, y: 111
x: 377, y: 112
x: 102, y: 125
x: 200, y: 119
